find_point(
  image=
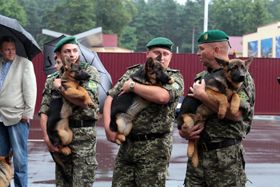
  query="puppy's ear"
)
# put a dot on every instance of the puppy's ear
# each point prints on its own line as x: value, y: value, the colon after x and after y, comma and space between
x: 249, y: 61
x: 158, y: 58
x: 149, y: 62
x: 222, y: 62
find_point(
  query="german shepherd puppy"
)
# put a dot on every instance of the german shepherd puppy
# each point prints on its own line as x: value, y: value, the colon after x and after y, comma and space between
x: 221, y: 87
x: 126, y: 106
x: 58, y: 117
x: 6, y: 171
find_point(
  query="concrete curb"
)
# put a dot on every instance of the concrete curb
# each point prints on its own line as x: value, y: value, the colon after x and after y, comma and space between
x: 266, y: 117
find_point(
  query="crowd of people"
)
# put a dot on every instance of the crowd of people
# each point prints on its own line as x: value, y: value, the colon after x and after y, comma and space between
x: 143, y: 158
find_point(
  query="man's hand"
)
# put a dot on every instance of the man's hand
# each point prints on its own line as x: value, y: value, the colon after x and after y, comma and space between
x: 198, y: 90
x: 57, y: 83
x: 111, y: 136
x: 25, y: 119
x: 51, y: 147
x: 192, y: 133
x: 126, y: 87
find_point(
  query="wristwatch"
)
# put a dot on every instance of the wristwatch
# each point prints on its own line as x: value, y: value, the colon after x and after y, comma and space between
x: 131, y: 85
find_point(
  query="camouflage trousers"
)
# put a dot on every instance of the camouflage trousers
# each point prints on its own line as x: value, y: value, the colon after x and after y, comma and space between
x: 142, y: 163
x: 218, y: 168
x: 80, y: 166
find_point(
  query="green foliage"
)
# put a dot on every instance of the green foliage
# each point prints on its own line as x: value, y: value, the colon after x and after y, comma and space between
x: 113, y: 15
x: 237, y: 17
x: 191, y: 24
x: 128, y: 39
x: 13, y: 9
x: 71, y: 17
x: 137, y: 21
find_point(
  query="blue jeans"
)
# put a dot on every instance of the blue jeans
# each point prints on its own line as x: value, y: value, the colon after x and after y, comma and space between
x: 14, y: 138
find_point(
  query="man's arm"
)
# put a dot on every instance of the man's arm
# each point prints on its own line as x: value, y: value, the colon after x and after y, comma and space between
x: 43, y: 124
x: 151, y: 93
x: 111, y: 136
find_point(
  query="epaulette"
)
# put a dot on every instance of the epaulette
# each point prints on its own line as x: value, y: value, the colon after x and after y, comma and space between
x: 200, y: 75
x: 173, y: 70
x: 53, y: 74
x: 134, y: 66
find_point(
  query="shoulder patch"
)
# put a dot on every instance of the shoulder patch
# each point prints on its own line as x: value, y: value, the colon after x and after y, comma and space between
x: 92, y: 85
x: 242, y: 95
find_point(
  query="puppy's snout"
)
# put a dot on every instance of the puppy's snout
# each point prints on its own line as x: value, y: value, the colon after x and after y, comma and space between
x: 239, y: 78
x: 82, y: 76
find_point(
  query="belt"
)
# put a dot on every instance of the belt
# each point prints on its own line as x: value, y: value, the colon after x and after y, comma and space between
x: 73, y: 123
x: 144, y: 137
x: 217, y: 145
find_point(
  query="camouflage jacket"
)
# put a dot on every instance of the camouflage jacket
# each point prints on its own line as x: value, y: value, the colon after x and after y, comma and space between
x: 218, y: 129
x: 91, y: 86
x: 155, y: 118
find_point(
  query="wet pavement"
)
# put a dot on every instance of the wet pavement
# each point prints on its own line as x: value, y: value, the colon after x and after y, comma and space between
x: 262, y: 156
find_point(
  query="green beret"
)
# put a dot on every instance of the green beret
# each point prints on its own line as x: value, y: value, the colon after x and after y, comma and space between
x: 63, y: 41
x: 211, y: 36
x: 160, y: 42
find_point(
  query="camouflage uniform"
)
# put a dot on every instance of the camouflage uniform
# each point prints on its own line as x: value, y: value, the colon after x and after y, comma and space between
x: 144, y: 163
x: 224, y: 166
x: 81, y: 164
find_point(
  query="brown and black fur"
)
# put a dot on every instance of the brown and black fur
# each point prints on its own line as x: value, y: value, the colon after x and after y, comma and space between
x: 58, y: 118
x: 6, y: 170
x: 221, y: 87
x: 60, y: 111
x: 125, y: 107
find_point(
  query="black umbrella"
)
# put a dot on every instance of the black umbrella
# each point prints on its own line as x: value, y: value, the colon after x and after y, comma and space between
x: 88, y: 56
x: 26, y: 45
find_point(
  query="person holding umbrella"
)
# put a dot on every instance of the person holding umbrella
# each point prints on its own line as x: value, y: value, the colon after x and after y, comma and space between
x: 18, y: 91
x: 81, y: 164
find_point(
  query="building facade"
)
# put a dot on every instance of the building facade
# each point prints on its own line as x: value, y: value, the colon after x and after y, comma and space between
x: 264, y: 43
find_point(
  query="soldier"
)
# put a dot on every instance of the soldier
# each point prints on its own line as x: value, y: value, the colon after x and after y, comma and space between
x: 221, y: 154
x: 143, y: 158
x: 81, y: 164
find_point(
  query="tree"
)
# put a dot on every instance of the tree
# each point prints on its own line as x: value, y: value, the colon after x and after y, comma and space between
x: 35, y: 11
x: 274, y: 10
x: 191, y: 24
x: 259, y: 16
x: 13, y: 9
x: 155, y: 18
x: 128, y: 39
x: 113, y: 15
x: 237, y: 17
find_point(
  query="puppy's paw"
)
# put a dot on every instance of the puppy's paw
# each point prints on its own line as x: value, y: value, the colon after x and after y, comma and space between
x: 120, y: 139
x: 65, y: 150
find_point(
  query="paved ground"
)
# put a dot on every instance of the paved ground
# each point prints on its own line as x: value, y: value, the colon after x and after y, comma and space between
x: 262, y: 157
